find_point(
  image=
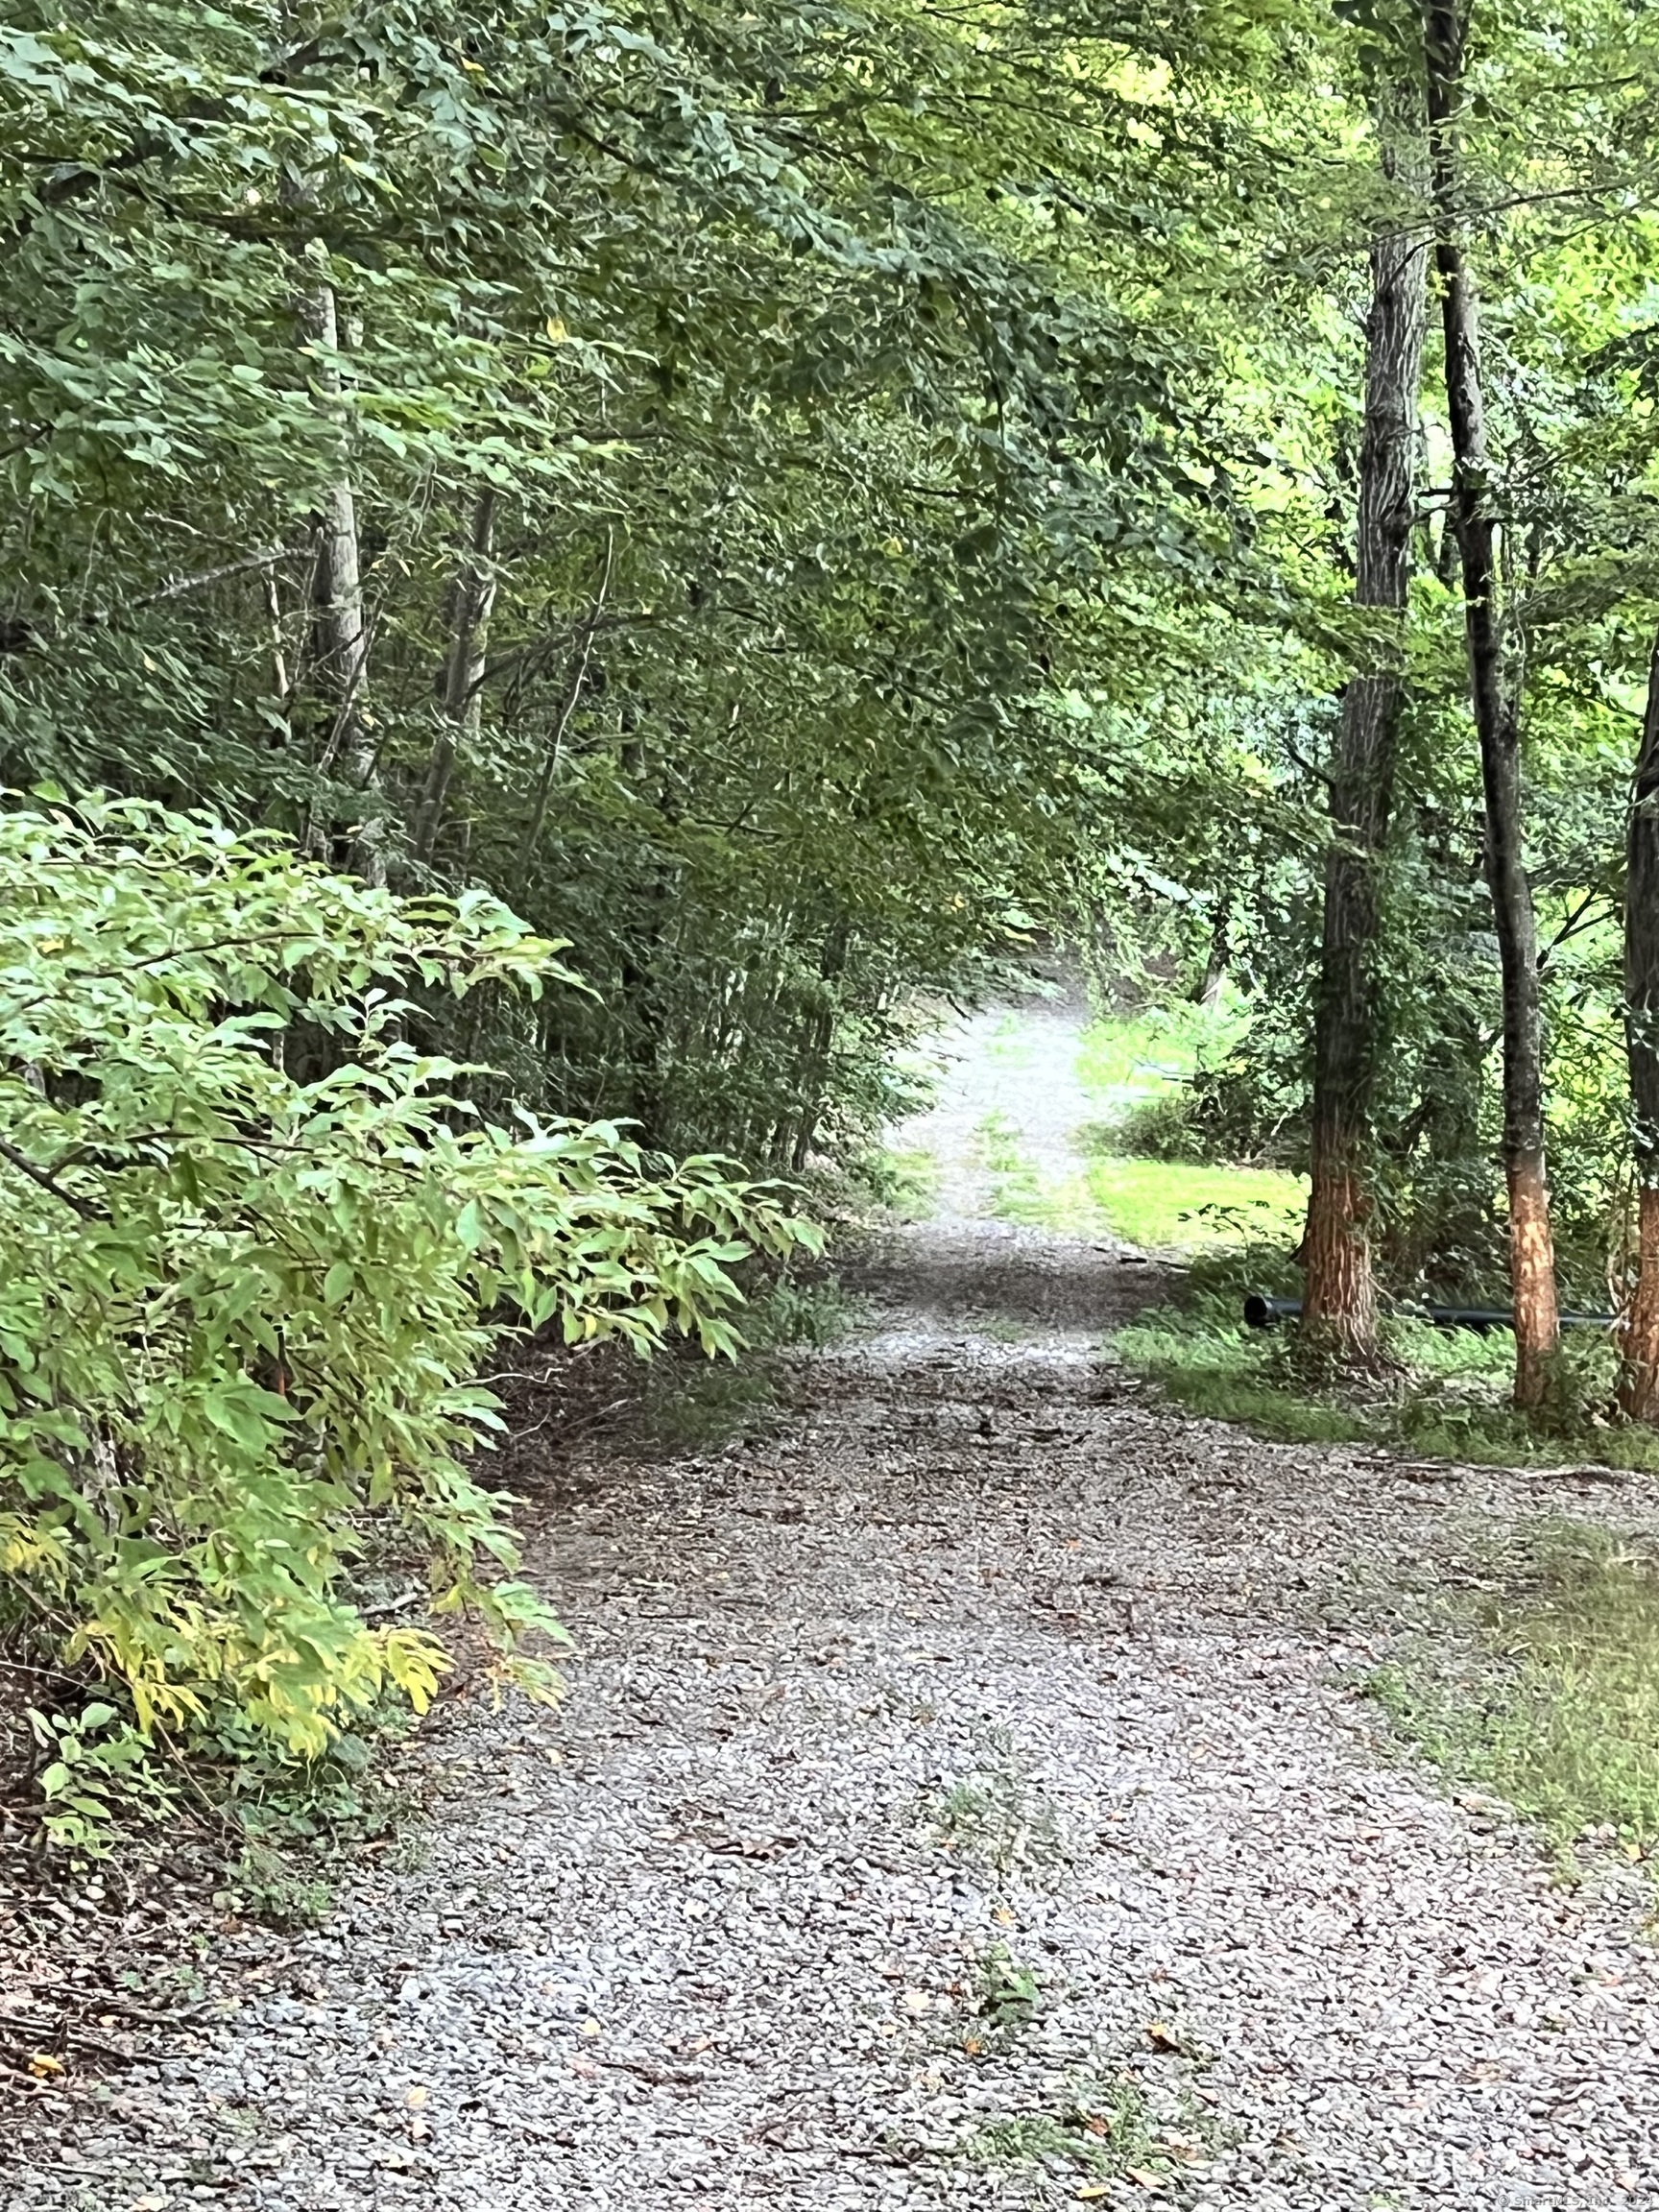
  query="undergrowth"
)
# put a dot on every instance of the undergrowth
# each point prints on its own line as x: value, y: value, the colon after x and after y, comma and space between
x: 1543, y: 1685
x: 691, y: 1404
x: 1443, y: 1394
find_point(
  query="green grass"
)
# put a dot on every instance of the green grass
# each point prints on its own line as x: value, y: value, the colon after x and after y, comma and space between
x: 1130, y: 1060
x: 1448, y: 1399
x: 1000, y: 1818
x: 1007, y: 1993
x: 1104, y: 2128
x: 904, y: 1183
x: 1168, y: 1205
x: 1544, y: 1688
x: 1162, y: 1205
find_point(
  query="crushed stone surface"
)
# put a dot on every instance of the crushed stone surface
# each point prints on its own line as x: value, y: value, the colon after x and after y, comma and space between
x: 979, y: 1751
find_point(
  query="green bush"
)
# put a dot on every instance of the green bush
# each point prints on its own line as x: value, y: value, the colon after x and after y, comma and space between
x: 245, y: 1300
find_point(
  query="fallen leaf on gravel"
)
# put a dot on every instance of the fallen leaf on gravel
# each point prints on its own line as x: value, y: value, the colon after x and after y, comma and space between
x: 917, y: 2001
x: 42, y: 2065
x: 416, y: 2097
x: 1091, y: 2191
x: 591, y: 2028
x: 1163, y: 2038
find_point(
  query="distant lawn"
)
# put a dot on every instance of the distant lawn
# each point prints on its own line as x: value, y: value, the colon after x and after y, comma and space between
x: 1163, y: 1204
x: 1129, y: 1060
x: 1169, y: 1206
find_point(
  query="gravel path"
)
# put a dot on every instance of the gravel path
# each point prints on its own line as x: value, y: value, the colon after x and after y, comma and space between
x: 955, y: 1786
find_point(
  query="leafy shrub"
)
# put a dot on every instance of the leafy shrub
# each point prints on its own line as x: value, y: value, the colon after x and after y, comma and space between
x: 243, y: 1306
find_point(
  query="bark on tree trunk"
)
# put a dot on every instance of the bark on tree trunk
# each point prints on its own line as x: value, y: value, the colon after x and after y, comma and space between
x: 473, y: 605
x: 1339, y: 1298
x: 341, y: 650
x: 1497, y: 721
x: 1639, y: 1382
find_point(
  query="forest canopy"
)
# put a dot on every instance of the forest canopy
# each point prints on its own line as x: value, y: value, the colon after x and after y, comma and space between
x: 671, y: 540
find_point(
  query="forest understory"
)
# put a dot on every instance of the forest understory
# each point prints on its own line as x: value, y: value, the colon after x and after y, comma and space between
x: 965, y: 1796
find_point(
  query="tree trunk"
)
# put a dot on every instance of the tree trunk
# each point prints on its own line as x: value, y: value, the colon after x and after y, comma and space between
x: 572, y: 699
x: 1639, y: 1382
x: 1340, y: 1300
x: 341, y: 650
x: 1216, y: 958
x: 1497, y: 721
x: 474, y: 604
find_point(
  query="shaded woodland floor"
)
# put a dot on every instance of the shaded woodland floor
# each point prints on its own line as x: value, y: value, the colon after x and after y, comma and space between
x: 964, y: 1798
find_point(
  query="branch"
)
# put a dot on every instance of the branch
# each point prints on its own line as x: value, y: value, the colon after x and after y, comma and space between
x: 46, y: 1181
x: 1309, y: 768
x: 1575, y: 923
x: 267, y: 556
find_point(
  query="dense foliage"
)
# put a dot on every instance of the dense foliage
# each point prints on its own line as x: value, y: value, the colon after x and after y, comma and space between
x: 662, y: 465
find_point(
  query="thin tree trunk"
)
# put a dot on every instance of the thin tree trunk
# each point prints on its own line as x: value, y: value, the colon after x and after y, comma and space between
x: 474, y: 604
x: 572, y: 699
x: 1339, y: 1299
x: 1497, y: 721
x: 280, y: 678
x: 1215, y: 959
x: 340, y: 653
x: 1639, y: 1382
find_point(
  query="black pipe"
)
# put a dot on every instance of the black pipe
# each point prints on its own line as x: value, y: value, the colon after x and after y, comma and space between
x: 1263, y: 1312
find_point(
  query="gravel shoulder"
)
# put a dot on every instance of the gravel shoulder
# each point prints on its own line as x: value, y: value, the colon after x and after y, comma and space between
x: 985, y: 1675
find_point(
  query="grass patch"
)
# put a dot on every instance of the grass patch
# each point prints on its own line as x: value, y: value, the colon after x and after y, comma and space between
x: 1007, y: 1995
x: 1103, y: 2130
x: 1163, y: 1205
x: 1546, y: 1692
x: 693, y: 1404
x: 902, y: 1183
x: 1131, y: 1061
x: 1172, y: 1206
x: 997, y: 1817
x: 1448, y: 1399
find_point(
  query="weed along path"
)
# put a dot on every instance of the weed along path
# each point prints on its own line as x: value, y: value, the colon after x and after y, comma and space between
x: 962, y: 1800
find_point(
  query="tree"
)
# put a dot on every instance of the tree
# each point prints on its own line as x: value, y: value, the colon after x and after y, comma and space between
x: 1639, y: 1387
x: 1496, y: 704
x: 1339, y: 1303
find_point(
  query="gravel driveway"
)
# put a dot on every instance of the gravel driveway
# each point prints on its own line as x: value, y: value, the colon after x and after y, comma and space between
x: 962, y: 1800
